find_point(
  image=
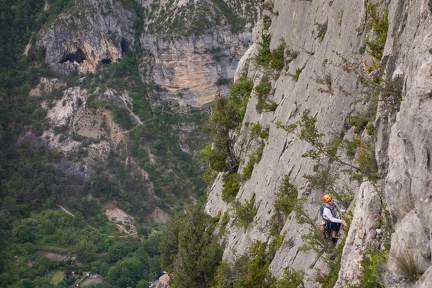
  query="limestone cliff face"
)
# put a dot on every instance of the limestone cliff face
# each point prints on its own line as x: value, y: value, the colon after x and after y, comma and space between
x: 189, y: 67
x: 69, y: 116
x: 194, y: 46
x: 402, y: 138
x: 179, y: 54
x: 295, y: 24
x: 92, y: 33
x: 408, y: 146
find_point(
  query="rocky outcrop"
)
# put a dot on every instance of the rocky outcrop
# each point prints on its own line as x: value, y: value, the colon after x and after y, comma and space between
x: 90, y: 34
x: 282, y: 152
x: 71, y: 122
x: 189, y: 67
x: 365, y: 230
x: 408, y: 181
x: 403, y: 142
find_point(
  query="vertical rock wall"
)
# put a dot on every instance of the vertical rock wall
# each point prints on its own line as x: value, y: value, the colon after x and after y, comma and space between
x: 297, y: 23
x: 94, y: 32
x: 408, y: 189
x: 403, y: 139
x: 188, y: 67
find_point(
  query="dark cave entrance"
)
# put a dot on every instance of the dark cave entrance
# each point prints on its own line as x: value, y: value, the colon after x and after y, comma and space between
x: 78, y: 57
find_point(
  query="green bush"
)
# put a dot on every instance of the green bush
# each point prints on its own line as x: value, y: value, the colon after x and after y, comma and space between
x: 247, y: 170
x: 231, y: 186
x: 264, y: 134
x: 291, y: 279
x: 255, y: 130
x: 246, y: 212
x: 264, y: 56
x: 372, y: 267
x: 225, y: 118
x: 277, y: 57
x: 379, y: 25
x: 250, y: 270
x: 286, y: 202
x: 270, y: 59
x: 215, y: 158
x: 286, y: 197
x: 262, y: 90
x: 239, y: 94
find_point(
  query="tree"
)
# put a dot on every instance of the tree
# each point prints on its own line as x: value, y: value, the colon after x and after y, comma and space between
x: 249, y: 270
x: 126, y: 273
x: 292, y: 279
x: 85, y: 250
x: 239, y: 94
x: 225, y: 118
x: 121, y: 248
x: 168, y: 246
x: 198, y: 254
x: 24, y: 234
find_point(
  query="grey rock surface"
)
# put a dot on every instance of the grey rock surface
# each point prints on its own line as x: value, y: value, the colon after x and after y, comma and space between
x: 403, y: 139
x: 408, y: 181
x: 188, y: 67
x: 95, y: 32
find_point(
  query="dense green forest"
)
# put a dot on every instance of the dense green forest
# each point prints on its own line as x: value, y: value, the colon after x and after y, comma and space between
x: 33, y: 185
x: 53, y: 220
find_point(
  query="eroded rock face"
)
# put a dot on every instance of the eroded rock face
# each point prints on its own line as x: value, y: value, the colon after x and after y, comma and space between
x: 408, y: 182
x: 189, y: 67
x: 403, y: 139
x: 295, y: 24
x: 69, y: 117
x: 93, y: 33
x: 365, y: 230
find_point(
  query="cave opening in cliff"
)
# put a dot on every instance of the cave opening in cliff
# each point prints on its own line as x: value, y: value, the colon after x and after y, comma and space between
x: 124, y: 45
x: 106, y: 61
x: 78, y: 57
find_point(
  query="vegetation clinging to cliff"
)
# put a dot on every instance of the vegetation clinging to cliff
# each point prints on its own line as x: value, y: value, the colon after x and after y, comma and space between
x: 245, y: 212
x: 224, y: 122
x: 379, y: 25
x: 199, y: 17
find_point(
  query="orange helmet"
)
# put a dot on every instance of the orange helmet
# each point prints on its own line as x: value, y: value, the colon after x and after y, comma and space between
x: 327, y: 198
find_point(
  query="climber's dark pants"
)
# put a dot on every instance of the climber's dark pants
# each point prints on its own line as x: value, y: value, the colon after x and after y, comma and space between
x: 334, y: 226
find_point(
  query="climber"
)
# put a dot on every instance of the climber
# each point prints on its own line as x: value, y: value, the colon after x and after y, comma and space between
x: 328, y: 213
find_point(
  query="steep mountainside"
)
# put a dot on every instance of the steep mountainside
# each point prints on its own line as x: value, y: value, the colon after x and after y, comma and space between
x: 131, y: 62
x: 340, y: 56
x: 102, y: 108
x: 102, y: 105
x: 194, y: 46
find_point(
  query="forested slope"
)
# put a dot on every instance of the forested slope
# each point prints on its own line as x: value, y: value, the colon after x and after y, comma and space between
x: 86, y: 126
